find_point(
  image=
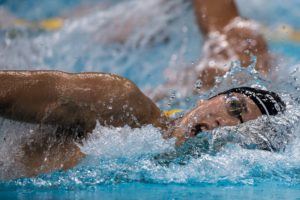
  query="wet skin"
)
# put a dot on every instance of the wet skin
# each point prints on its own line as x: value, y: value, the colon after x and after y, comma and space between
x: 216, y: 112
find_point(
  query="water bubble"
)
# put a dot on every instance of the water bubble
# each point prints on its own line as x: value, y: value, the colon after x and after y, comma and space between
x: 198, y: 84
x: 125, y: 106
x: 184, y: 29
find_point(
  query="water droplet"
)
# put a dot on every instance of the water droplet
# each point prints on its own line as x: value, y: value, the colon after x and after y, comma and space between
x: 198, y: 84
x: 184, y: 29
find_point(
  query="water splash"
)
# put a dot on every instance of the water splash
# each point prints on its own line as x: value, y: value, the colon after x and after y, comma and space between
x: 12, y: 136
x: 125, y: 142
x: 122, y: 155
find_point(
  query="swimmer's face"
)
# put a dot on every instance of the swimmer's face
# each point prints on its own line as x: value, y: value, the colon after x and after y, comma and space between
x: 222, y: 110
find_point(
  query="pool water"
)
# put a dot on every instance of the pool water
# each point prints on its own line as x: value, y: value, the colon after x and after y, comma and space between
x: 128, y: 165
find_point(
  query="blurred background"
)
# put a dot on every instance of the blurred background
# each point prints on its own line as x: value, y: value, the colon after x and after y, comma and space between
x: 126, y: 37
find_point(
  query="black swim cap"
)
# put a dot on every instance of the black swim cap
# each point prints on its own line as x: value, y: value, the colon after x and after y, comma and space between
x: 269, y: 103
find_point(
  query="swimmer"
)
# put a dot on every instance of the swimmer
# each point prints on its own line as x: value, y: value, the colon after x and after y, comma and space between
x: 228, y: 38
x: 73, y: 103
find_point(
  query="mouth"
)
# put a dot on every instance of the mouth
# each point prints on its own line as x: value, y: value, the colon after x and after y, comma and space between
x: 196, y: 129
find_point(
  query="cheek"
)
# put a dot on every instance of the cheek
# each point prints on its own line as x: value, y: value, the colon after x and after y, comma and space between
x: 224, y: 119
x: 228, y: 121
x: 253, y: 114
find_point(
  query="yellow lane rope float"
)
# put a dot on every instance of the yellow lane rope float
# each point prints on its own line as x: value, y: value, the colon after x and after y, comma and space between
x: 171, y: 113
x: 51, y: 24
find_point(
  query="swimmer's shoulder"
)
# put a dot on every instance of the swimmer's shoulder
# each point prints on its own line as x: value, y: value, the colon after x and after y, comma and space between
x: 61, y: 74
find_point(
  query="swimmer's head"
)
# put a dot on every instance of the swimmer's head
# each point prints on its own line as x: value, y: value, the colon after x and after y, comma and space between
x: 269, y: 103
x: 228, y: 108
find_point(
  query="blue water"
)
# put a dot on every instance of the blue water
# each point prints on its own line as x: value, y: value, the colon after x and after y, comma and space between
x: 125, y: 168
x: 132, y: 191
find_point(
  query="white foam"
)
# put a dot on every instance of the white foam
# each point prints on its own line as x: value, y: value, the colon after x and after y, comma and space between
x: 11, y: 136
x: 125, y: 142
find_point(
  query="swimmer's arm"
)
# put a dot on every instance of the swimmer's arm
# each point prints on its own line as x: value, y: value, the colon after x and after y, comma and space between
x: 23, y: 94
x: 214, y: 15
x: 51, y: 97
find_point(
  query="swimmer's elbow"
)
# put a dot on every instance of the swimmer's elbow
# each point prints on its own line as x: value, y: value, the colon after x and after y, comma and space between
x: 144, y: 109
